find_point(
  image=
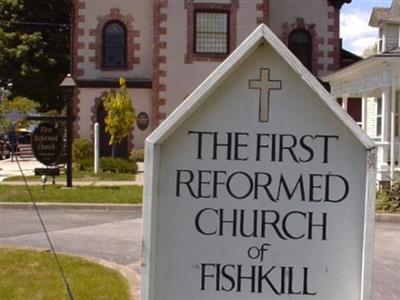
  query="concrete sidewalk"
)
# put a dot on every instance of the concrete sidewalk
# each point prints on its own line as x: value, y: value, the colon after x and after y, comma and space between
x: 10, y: 168
x: 71, y: 206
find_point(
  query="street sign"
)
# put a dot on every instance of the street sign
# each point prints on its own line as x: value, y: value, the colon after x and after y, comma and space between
x: 259, y: 186
x: 14, y: 116
x: 47, y: 171
x: 47, y: 143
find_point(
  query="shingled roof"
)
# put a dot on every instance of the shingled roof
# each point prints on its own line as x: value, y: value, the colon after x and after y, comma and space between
x: 385, y: 14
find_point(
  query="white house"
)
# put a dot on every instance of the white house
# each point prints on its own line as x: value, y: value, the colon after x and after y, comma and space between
x: 376, y: 80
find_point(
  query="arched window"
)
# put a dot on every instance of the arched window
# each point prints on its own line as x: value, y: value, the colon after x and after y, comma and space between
x: 300, y: 43
x: 114, y: 45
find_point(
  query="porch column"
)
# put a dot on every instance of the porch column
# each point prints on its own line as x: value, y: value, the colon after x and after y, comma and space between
x: 385, y: 120
x: 364, y: 112
x: 392, y: 128
x: 345, y: 99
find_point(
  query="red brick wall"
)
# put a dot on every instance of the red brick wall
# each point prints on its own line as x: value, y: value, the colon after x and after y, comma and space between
x: 77, y: 31
x: 264, y: 8
x: 159, y: 60
x: 334, y: 18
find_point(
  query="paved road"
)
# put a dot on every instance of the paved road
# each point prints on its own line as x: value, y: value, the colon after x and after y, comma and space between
x: 115, y: 236
x: 387, y: 261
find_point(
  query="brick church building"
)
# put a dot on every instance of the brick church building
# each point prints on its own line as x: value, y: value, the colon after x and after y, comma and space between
x: 165, y: 48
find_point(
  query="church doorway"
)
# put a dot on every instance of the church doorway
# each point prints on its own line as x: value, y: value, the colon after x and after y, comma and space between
x: 121, y: 150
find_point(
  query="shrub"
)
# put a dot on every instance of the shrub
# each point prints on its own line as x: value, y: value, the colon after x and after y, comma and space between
x: 86, y: 164
x: 388, y: 200
x: 137, y: 155
x: 82, y: 149
x: 393, y: 202
x: 117, y: 165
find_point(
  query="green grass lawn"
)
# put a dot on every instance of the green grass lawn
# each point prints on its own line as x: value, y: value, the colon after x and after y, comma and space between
x: 82, y: 176
x: 33, y: 275
x: 79, y: 194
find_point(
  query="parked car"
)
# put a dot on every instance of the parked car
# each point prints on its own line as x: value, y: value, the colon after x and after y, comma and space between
x: 5, y: 150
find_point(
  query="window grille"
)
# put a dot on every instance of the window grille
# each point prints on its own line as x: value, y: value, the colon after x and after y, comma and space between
x: 114, y: 45
x: 211, y: 32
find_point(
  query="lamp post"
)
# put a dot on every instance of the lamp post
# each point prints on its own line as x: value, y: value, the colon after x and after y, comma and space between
x: 68, y: 89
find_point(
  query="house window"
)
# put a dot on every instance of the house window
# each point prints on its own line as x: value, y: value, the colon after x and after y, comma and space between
x: 300, y: 43
x: 378, y: 117
x: 211, y: 35
x: 114, y: 45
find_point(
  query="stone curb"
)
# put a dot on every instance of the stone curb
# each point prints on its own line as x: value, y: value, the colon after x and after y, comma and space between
x: 379, y: 217
x: 77, y: 206
x: 385, y: 217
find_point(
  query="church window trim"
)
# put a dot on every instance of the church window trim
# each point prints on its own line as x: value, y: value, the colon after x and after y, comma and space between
x: 224, y: 8
x: 113, y: 48
x: 211, y: 32
x: 316, y: 41
x: 132, y: 41
x: 300, y: 42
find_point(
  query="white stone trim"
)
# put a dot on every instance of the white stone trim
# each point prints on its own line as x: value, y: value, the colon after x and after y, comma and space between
x: 364, y: 112
x: 368, y: 247
x: 345, y: 102
x: 149, y: 212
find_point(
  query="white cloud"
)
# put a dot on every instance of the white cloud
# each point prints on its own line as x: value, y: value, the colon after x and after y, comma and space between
x: 355, y: 32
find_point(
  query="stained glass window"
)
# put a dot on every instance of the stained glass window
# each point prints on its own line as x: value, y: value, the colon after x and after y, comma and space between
x: 114, y: 45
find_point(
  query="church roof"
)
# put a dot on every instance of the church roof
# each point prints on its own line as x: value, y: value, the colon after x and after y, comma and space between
x: 339, y: 3
x: 385, y: 14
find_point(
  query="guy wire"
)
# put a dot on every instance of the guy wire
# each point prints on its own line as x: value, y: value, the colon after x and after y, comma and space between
x: 71, y: 297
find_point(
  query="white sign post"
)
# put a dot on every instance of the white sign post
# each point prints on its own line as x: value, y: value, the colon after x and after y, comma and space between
x: 258, y: 186
x: 96, y: 148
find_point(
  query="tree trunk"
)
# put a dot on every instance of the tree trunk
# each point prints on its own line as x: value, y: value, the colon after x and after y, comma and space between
x: 113, y: 150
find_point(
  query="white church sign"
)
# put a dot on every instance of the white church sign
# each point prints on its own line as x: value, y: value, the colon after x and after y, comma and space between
x: 258, y: 187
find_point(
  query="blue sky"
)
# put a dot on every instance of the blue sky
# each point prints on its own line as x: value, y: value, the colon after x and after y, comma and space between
x: 356, y: 33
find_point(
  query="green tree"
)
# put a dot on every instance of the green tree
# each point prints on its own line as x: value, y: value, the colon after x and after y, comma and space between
x: 34, y: 48
x: 120, y: 114
x: 370, y: 51
x: 22, y: 105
